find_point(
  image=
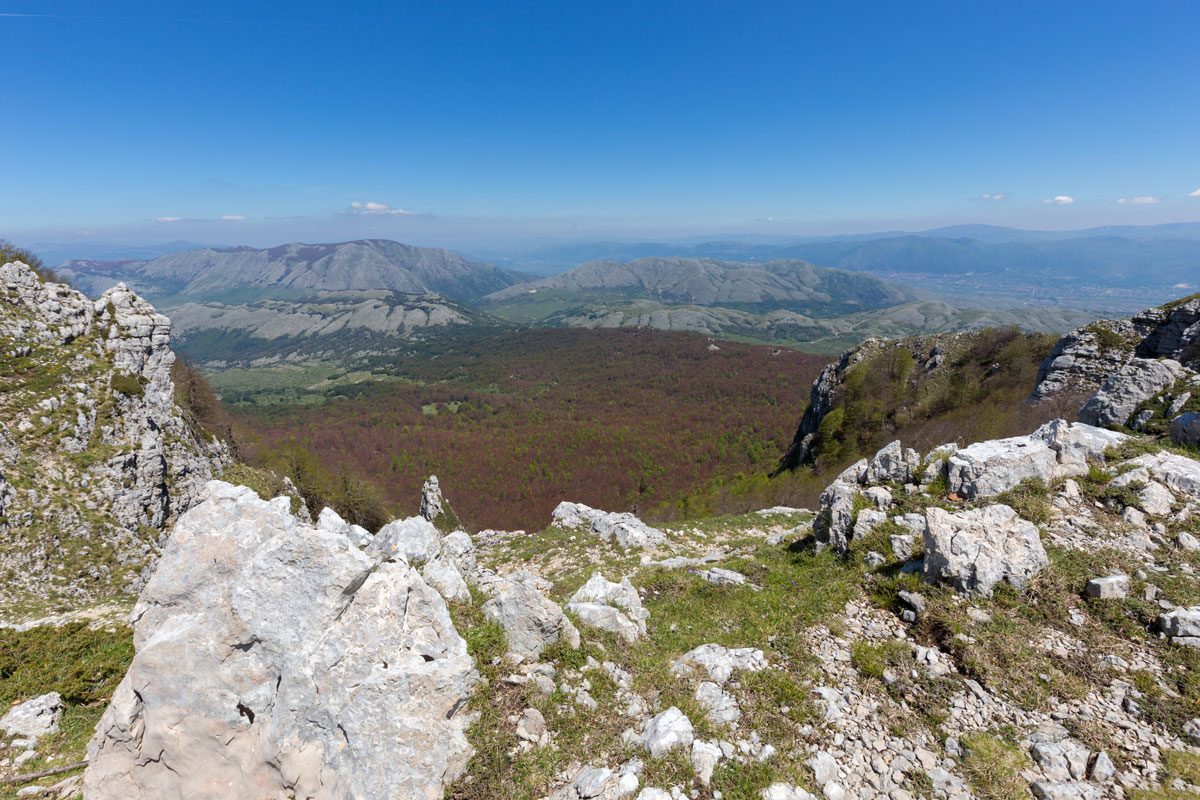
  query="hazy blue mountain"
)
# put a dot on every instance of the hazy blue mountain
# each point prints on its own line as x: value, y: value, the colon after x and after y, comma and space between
x: 1155, y: 257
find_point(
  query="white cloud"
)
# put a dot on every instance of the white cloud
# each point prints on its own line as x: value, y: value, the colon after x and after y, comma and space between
x: 372, y: 208
x: 1059, y: 200
x: 1195, y: 193
x: 169, y: 219
x: 995, y: 196
x: 1141, y: 200
x: 232, y: 217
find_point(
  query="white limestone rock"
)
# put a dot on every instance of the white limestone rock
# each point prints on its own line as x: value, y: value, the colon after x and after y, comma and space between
x: 1137, y: 381
x: 834, y: 522
x: 329, y: 520
x: 276, y: 659
x: 718, y: 663
x: 431, y: 499
x: 1110, y: 587
x: 720, y: 706
x: 624, y: 528
x: 1058, y: 449
x: 614, y: 607
x: 34, y: 718
x: 531, y: 621
x: 666, y: 731
x: 444, y: 576
x: 414, y: 540
x: 785, y: 791
x: 976, y: 549
x: 705, y: 758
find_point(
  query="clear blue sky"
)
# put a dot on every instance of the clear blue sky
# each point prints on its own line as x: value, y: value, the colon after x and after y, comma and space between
x: 498, y: 118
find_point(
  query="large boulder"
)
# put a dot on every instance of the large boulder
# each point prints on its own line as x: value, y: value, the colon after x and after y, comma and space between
x: 893, y: 464
x: 626, y: 529
x: 415, y: 540
x: 531, y: 621
x: 833, y: 525
x: 614, y: 607
x: 976, y: 549
x: 274, y: 660
x: 1057, y: 449
x: 1136, y: 382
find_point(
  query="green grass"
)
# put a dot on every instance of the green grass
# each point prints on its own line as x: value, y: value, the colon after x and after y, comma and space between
x: 992, y: 765
x: 1030, y: 499
x: 81, y: 663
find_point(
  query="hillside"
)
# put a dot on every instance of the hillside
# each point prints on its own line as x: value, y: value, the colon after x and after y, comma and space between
x: 823, y: 335
x: 322, y: 326
x: 795, y: 285
x: 239, y: 273
x: 926, y: 390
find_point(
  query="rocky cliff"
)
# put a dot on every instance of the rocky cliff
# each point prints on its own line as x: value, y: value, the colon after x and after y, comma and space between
x: 1140, y: 372
x: 96, y: 459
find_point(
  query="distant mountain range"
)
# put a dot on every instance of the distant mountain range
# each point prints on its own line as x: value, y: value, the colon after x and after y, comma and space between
x: 241, y: 273
x: 304, y: 302
x: 1158, y: 257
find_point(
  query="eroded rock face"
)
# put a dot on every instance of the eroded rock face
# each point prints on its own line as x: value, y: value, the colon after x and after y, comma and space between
x: 1119, y: 361
x: 93, y: 427
x: 1133, y: 384
x: 976, y: 549
x: 275, y: 660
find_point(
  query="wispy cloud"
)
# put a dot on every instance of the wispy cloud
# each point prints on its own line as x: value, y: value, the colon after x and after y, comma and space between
x: 994, y: 196
x: 1195, y: 193
x: 169, y: 219
x: 370, y: 208
x: 1141, y: 200
x: 1059, y: 200
x: 232, y: 217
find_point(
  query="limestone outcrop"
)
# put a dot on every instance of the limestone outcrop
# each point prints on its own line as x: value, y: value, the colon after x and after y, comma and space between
x: 623, y: 528
x: 275, y: 659
x: 95, y: 454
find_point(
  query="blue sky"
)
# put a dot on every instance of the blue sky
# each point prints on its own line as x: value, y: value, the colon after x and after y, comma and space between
x: 452, y: 121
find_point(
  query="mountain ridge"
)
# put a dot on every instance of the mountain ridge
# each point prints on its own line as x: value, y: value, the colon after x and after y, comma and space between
x: 353, y: 265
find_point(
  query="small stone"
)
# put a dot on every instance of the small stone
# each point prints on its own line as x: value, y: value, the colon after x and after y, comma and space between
x: 532, y: 725
x: 1110, y: 587
x: 34, y: 718
x: 666, y: 731
x: 824, y: 767
x: 1102, y: 768
x: 833, y: 791
x: 1134, y: 517
x: 1187, y: 542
